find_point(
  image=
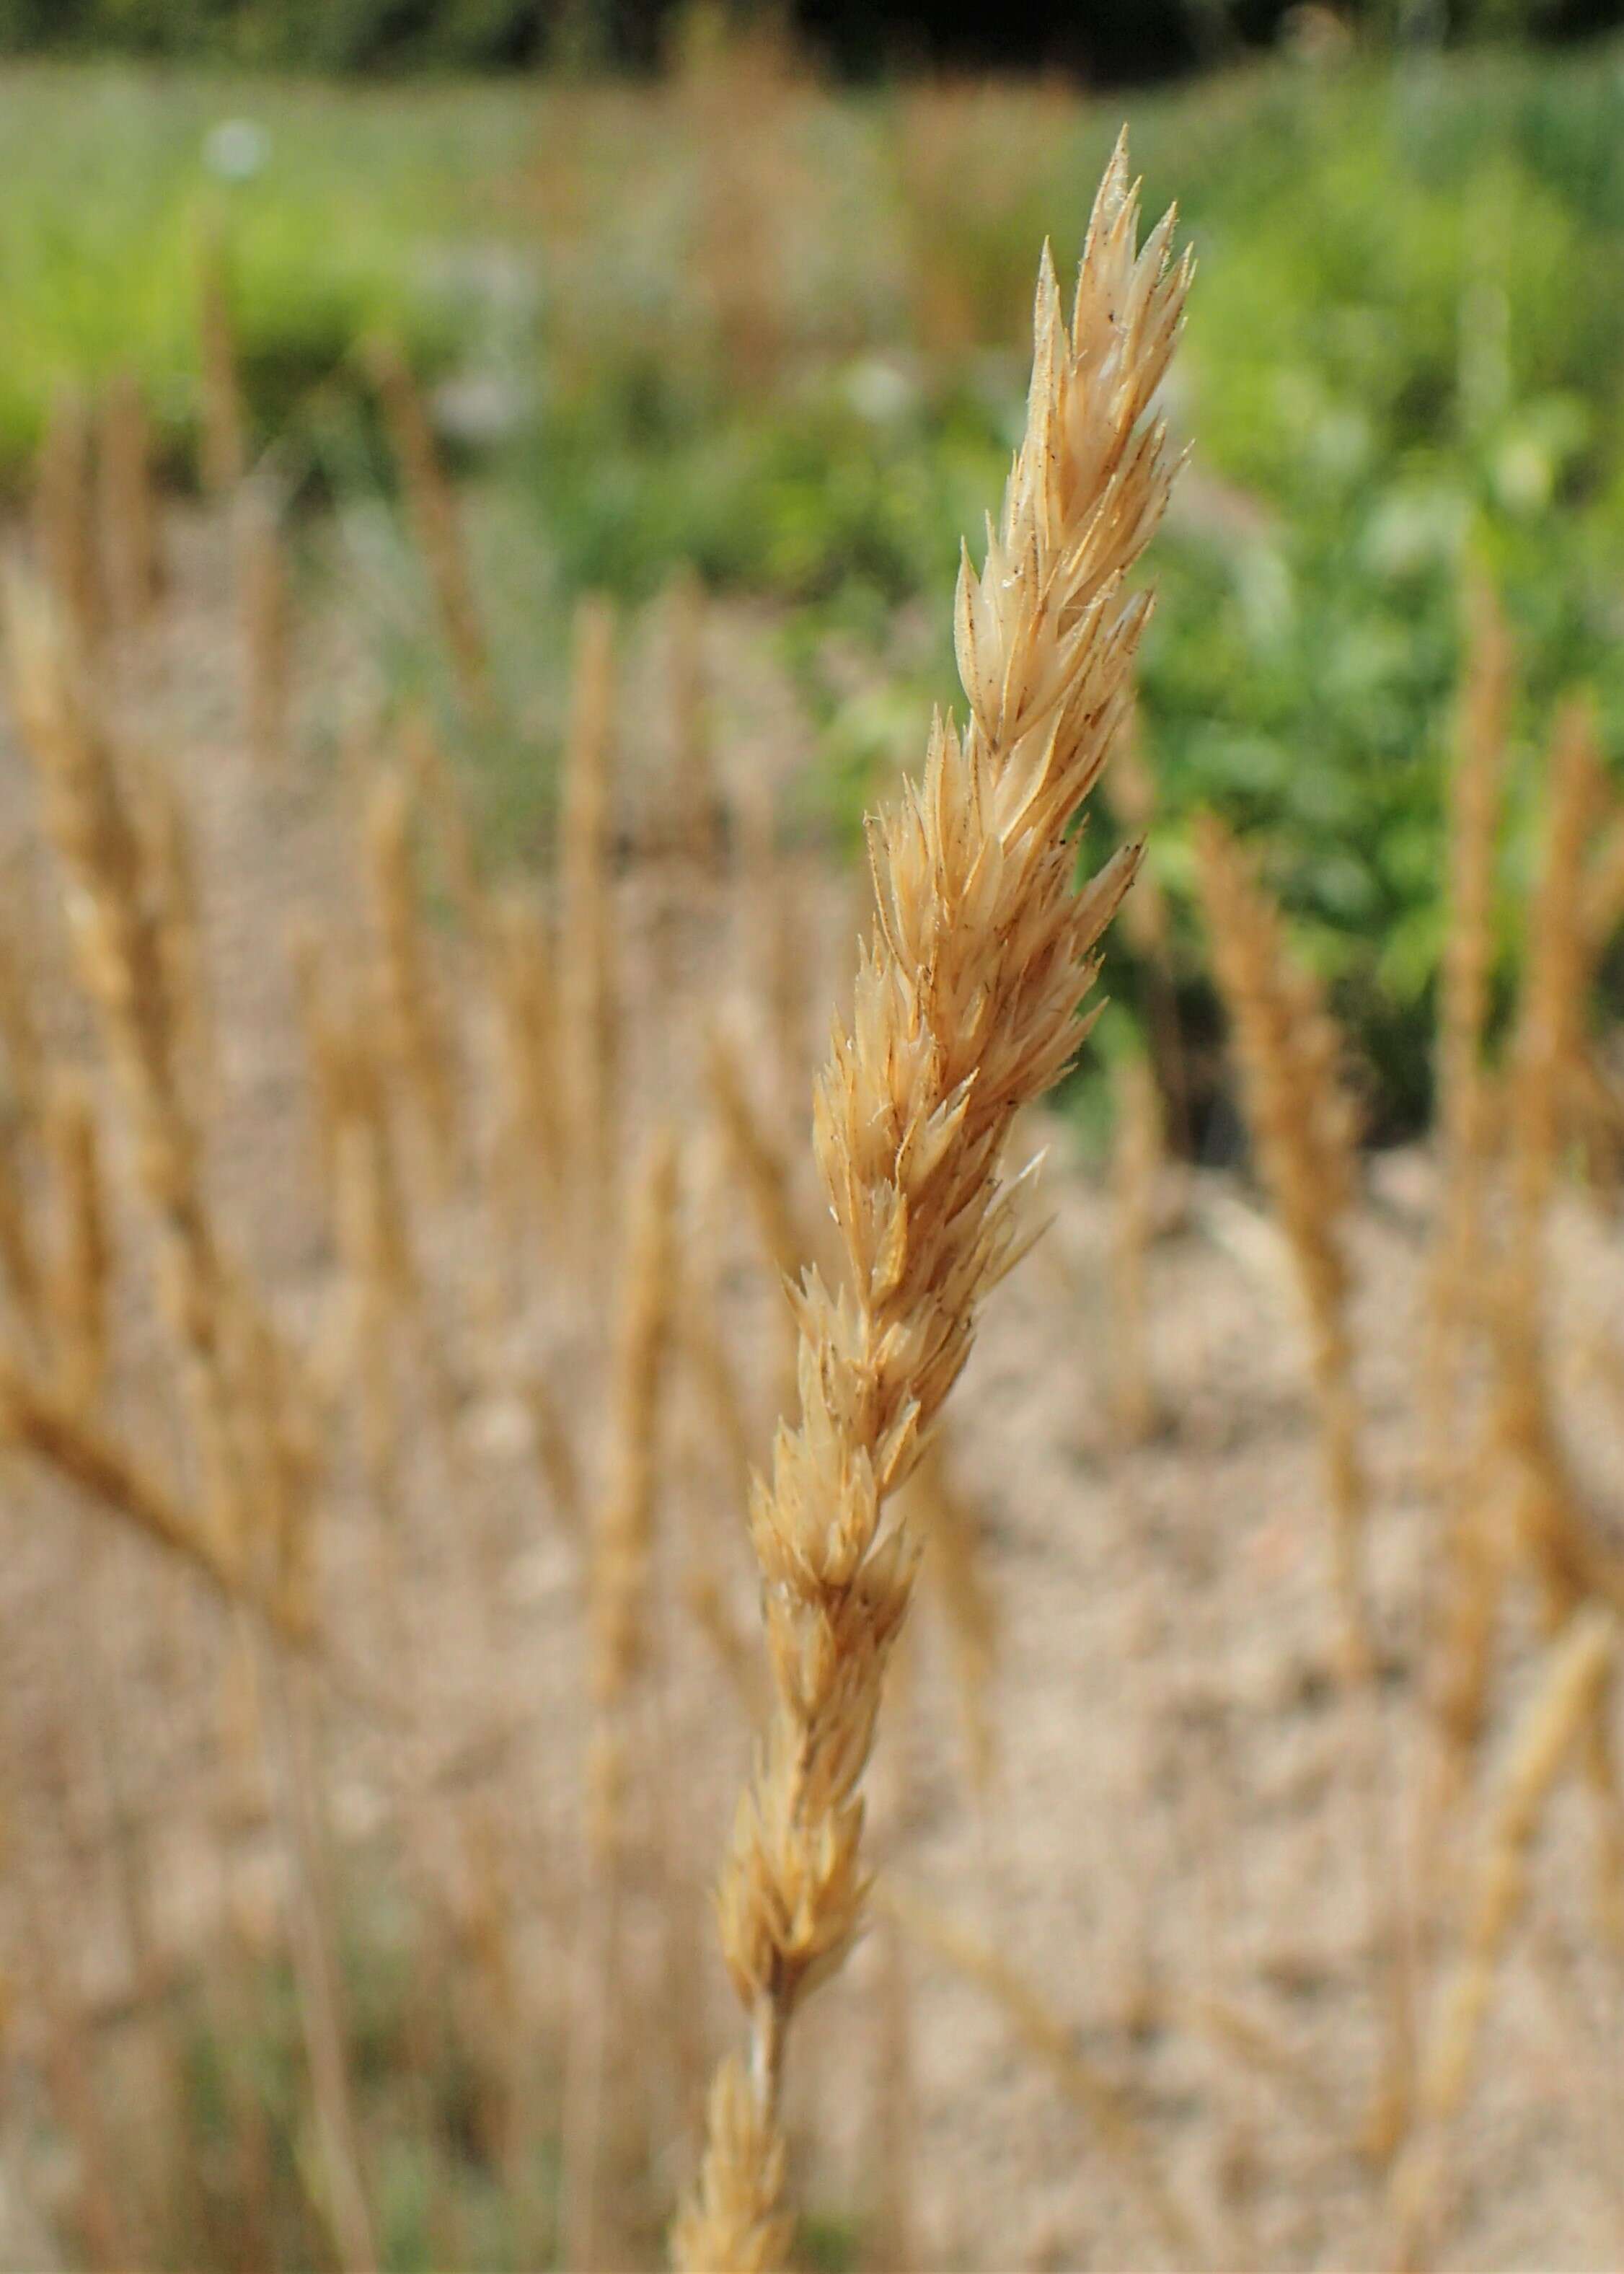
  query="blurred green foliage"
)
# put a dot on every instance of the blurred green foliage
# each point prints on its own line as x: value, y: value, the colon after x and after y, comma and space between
x: 741, y: 320
x: 1403, y: 353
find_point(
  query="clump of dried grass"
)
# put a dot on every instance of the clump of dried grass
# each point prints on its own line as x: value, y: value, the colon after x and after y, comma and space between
x: 967, y: 1010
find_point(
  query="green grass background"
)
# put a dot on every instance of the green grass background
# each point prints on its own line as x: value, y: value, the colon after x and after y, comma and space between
x: 1406, y: 350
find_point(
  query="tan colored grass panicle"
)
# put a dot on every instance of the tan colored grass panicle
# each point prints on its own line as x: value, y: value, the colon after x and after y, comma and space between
x: 1303, y: 1125
x: 966, y: 1009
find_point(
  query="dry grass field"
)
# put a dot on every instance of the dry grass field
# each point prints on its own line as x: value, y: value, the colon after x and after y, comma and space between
x: 395, y: 1233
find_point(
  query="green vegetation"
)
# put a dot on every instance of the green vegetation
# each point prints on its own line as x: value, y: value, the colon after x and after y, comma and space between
x: 792, y: 354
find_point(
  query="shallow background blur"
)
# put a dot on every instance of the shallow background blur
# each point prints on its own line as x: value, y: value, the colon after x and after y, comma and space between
x: 725, y: 315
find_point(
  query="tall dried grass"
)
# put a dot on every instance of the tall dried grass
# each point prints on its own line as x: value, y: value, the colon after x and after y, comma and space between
x: 966, y: 1009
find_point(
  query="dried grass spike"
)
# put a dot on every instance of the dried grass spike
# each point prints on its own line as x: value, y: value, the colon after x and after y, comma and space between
x: 1303, y: 1124
x: 967, y: 1010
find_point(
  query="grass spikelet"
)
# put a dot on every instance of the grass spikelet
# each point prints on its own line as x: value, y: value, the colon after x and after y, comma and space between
x: 64, y: 533
x: 588, y: 988
x: 733, y: 2220
x: 265, y: 622
x: 967, y: 1010
x: 1303, y: 1124
x: 130, y: 545
x: 1576, y: 1674
x: 223, y: 449
x: 432, y: 506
